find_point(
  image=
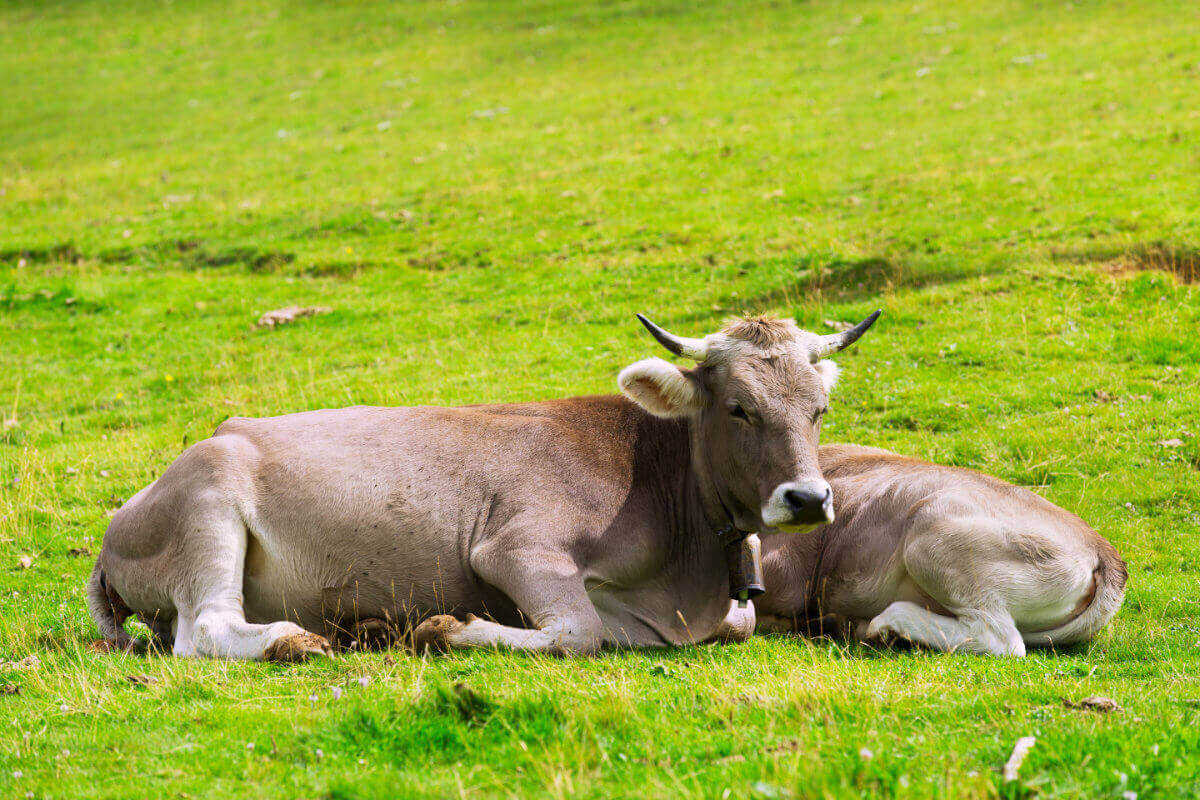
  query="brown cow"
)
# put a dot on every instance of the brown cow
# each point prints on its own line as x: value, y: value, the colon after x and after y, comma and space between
x: 946, y: 557
x: 572, y: 524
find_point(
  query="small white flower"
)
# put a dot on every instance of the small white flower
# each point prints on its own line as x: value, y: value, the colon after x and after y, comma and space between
x: 18, y: 774
x: 249, y: 745
x: 319, y: 753
x: 364, y: 681
x: 313, y: 698
x: 336, y: 692
x: 865, y: 754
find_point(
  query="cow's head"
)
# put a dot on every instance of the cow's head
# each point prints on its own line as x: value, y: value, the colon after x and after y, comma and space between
x: 755, y: 403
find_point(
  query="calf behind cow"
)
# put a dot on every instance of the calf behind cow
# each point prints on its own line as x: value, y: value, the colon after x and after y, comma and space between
x: 945, y: 557
x: 572, y: 523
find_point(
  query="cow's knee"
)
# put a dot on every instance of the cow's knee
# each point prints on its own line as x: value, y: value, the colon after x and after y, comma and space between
x: 738, y: 625
x: 994, y: 636
x: 575, y: 640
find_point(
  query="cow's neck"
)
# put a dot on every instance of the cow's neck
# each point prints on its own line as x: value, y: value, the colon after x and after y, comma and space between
x: 718, y: 510
x: 683, y: 500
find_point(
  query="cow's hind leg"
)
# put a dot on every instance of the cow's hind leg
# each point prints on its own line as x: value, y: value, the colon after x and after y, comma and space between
x: 211, y: 619
x: 970, y: 632
x: 957, y: 563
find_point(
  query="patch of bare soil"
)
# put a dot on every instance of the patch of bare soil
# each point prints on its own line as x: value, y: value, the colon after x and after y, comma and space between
x: 1182, y: 262
x: 283, y: 316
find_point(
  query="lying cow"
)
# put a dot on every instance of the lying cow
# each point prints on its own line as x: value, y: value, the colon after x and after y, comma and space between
x: 591, y: 520
x: 944, y: 557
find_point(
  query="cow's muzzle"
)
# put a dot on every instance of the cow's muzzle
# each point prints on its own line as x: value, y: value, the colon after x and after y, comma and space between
x: 799, y: 505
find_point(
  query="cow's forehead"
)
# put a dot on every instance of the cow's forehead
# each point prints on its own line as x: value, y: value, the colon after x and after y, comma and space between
x: 796, y: 351
x: 785, y: 372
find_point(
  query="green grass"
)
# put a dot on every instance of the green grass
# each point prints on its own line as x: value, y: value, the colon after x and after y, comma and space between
x: 484, y: 193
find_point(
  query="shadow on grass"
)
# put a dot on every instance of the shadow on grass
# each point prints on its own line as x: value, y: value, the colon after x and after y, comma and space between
x: 902, y: 648
x: 852, y: 279
x: 831, y: 278
x: 188, y: 254
x: 185, y: 253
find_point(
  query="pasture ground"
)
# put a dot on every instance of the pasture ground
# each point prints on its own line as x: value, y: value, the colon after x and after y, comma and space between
x: 483, y: 194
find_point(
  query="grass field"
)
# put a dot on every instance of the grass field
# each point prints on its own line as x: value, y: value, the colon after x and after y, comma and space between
x: 483, y: 194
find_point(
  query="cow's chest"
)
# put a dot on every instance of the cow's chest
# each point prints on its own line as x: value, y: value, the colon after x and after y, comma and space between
x: 648, y: 593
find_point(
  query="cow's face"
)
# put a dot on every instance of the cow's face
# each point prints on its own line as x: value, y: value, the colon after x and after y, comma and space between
x: 755, y: 402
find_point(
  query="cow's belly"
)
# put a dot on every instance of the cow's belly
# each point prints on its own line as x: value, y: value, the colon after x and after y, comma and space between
x: 320, y: 563
x: 320, y: 588
x: 344, y: 524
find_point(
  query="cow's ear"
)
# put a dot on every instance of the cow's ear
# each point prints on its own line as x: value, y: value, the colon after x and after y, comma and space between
x: 828, y: 371
x: 661, y: 388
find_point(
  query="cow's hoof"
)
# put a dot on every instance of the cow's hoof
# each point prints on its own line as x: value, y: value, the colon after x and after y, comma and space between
x: 110, y: 646
x: 297, y: 647
x: 373, y: 634
x: 434, y: 634
x: 879, y: 632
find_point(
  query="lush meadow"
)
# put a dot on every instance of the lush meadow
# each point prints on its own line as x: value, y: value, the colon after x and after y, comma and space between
x: 483, y: 194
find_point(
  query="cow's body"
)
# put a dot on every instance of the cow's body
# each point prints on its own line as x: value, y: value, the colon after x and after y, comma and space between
x: 943, y: 556
x: 571, y: 524
x: 403, y: 513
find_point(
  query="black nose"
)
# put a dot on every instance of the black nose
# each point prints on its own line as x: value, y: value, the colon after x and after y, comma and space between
x: 807, y: 505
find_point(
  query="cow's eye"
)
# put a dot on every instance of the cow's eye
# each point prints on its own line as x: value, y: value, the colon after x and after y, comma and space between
x: 737, y: 412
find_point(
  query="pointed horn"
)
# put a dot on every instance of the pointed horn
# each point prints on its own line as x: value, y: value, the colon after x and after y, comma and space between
x: 695, y: 349
x: 840, y: 341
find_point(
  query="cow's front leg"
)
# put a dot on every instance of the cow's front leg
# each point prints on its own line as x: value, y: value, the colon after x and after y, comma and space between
x: 548, y: 590
x: 561, y: 636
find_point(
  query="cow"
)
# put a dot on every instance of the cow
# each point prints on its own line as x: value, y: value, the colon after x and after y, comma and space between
x: 943, y: 557
x: 559, y: 526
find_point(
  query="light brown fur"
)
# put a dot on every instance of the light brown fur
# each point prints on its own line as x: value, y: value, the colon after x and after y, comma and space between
x: 570, y: 524
x: 945, y: 556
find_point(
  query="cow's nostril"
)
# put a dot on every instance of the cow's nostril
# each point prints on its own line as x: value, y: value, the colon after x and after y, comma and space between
x: 798, y: 501
x: 809, y: 504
